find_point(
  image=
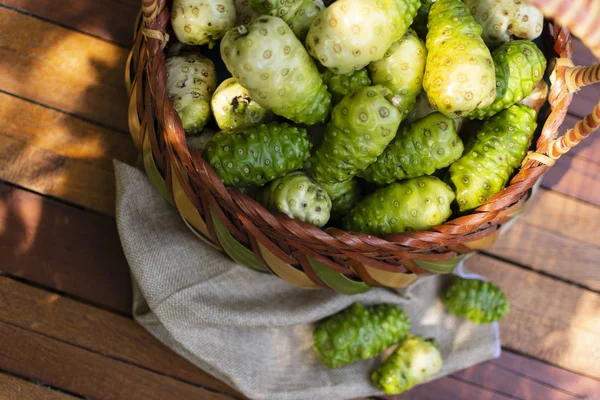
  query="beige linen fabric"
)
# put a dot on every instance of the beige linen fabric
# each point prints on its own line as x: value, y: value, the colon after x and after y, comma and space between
x: 253, y: 330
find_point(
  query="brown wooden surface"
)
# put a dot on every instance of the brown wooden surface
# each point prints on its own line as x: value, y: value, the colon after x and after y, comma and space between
x: 65, y: 297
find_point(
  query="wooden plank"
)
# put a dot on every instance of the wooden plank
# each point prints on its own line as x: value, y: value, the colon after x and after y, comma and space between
x: 448, y: 389
x: 54, y: 153
x: 576, y: 177
x: 111, y: 20
x: 13, y: 388
x: 63, y: 69
x: 98, y: 331
x: 86, y: 373
x: 63, y: 248
x: 548, y: 319
x: 540, y: 240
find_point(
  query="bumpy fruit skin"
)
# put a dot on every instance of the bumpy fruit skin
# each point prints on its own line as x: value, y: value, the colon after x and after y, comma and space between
x: 244, y: 12
x: 520, y: 65
x: 198, y: 22
x: 459, y: 74
x: 349, y: 34
x: 491, y: 157
x: 419, y: 149
x: 344, y: 196
x: 298, y: 14
x: 257, y: 154
x: 358, y: 333
x: 415, y: 204
x: 342, y: 85
x: 481, y: 302
x: 361, y: 126
x: 420, y: 21
x: 501, y: 19
x: 270, y: 62
x: 233, y: 107
x: 191, y: 80
x: 299, y: 197
x: 401, y: 69
x: 413, y: 362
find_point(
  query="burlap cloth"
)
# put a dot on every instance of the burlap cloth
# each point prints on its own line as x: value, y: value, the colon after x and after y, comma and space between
x: 253, y: 330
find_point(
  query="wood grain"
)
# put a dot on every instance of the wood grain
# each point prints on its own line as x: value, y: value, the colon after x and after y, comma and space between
x: 12, y: 388
x: 548, y: 319
x: 539, y: 239
x: 108, y: 19
x: 63, y: 247
x: 97, y: 331
x: 448, y: 389
x: 56, y: 154
x: 86, y: 373
x: 62, y: 69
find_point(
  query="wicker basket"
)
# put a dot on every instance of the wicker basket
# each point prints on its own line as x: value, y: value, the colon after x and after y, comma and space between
x: 301, y: 253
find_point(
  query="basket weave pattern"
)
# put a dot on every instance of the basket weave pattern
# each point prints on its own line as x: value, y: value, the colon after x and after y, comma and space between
x: 303, y: 254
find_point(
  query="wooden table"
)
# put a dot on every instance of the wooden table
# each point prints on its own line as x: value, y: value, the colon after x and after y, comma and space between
x: 65, y: 325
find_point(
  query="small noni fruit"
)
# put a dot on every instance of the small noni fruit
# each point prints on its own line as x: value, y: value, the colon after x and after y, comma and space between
x: 299, y: 197
x: 198, y: 22
x: 244, y: 12
x: 298, y: 14
x: 481, y: 302
x: 520, y: 65
x: 257, y: 154
x: 459, y: 75
x: 268, y: 60
x: 233, y: 107
x: 420, y: 21
x: 413, y: 362
x: 358, y: 333
x: 401, y: 69
x: 491, y: 156
x: 341, y: 85
x: 502, y: 19
x: 419, y: 149
x: 415, y: 204
x: 349, y: 34
x: 191, y: 80
x: 344, y: 196
x: 361, y: 126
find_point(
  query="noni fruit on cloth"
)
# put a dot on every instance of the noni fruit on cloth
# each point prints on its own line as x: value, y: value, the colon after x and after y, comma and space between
x: 503, y: 19
x: 415, y: 204
x: 344, y: 196
x: 257, y: 154
x: 459, y: 74
x: 349, y: 34
x: 233, y: 107
x: 413, y: 362
x: 339, y: 85
x: 481, y: 302
x: 191, y: 80
x: 361, y: 126
x: 520, y: 65
x: 419, y: 149
x: 298, y: 14
x: 401, y: 69
x: 358, y: 333
x: 299, y: 197
x: 198, y: 22
x: 491, y: 156
x: 268, y: 60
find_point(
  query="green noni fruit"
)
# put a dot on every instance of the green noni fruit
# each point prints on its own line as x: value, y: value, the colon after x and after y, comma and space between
x: 191, y: 80
x: 342, y: 85
x: 198, y: 22
x: 361, y: 126
x: 257, y: 154
x: 419, y: 149
x: 459, y: 74
x: 358, y: 333
x: 481, y: 302
x: 344, y: 196
x: 268, y: 60
x: 349, y: 34
x: 491, y: 156
x: 415, y: 204
x: 298, y: 14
